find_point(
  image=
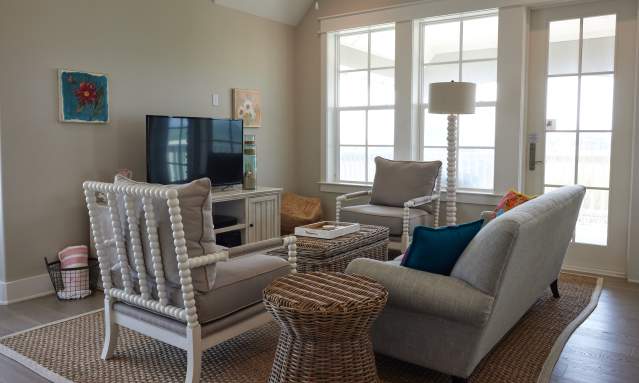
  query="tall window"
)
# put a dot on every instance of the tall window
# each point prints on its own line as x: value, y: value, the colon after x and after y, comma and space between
x: 462, y: 49
x: 579, y: 107
x: 365, y: 100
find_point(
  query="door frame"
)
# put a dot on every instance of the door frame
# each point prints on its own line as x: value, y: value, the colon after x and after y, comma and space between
x: 582, y: 257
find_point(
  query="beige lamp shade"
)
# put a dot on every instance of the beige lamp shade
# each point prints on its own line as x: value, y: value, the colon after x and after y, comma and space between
x: 451, y: 98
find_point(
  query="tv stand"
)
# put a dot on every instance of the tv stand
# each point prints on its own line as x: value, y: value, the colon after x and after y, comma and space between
x: 257, y: 211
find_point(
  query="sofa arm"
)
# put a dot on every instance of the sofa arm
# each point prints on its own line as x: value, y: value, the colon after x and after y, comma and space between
x: 427, y: 293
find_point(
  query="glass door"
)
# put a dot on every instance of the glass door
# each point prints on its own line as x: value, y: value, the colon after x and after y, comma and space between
x: 579, y: 125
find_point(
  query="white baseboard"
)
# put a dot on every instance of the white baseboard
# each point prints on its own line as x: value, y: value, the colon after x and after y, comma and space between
x: 24, y: 289
x: 593, y: 270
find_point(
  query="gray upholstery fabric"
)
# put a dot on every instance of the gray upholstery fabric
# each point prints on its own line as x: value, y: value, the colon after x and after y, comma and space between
x: 197, y: 218
x: 427, y: 293
x: 180, y: 327
x: 399, y: 181
x: 442, y: 325
x: 391, y: 217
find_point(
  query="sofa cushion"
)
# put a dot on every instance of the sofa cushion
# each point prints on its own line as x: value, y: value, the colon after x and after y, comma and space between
x: 197, y: 218
x: 436, y: 250
x: 399, y: 181
x: 391, y: 217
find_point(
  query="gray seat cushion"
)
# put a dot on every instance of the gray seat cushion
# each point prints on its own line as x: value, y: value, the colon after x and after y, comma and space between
x: 391, y: 217
x: 399, y: 181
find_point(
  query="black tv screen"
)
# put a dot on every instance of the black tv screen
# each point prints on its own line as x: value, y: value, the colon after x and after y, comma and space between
x: 183, y: 149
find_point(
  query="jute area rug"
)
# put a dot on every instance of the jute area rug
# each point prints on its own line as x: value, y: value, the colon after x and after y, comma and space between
x: 70, y: 350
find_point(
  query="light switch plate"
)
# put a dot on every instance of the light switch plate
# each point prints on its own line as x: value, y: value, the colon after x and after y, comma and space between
x: 216, y: 99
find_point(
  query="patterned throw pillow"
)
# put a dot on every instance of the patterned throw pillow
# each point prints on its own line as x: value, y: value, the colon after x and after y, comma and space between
x: 512, y: 199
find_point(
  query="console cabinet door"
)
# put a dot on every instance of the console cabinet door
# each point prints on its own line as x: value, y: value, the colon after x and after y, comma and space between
x: 263, y: 218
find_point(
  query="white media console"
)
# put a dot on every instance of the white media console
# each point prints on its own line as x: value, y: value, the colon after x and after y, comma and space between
x: 257, y: 212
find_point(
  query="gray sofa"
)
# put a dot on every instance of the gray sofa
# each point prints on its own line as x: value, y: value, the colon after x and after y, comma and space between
x: 449, y: 323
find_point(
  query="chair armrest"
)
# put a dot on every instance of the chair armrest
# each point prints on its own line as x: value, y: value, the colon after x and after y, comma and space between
x: 218, y: 256
x: 431, y: 294
x: 269, y: 244
x: 358, y: 194
x: 421, y: 200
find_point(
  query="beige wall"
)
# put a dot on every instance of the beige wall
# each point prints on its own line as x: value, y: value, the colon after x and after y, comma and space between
x: 163, y: 57
x: 308, y: 102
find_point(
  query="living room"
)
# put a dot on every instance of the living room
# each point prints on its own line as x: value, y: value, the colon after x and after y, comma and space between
x: 551, y: 102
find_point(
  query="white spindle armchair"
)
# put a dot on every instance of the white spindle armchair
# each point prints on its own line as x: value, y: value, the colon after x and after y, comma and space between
x: 400, y: 220
x: 145, y: 298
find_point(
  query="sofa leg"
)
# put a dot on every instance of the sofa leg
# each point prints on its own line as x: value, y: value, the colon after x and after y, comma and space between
x: 455, y: 379
x: 554, y: 289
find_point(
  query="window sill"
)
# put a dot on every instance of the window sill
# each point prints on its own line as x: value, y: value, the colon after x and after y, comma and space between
x: 463, y: 196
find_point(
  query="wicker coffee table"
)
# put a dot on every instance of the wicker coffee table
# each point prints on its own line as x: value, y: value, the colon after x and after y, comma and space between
x: 316, y: 254
x: 325, y: 321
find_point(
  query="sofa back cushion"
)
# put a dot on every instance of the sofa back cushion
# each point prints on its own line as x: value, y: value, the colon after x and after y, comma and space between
x: 399, y: 181
x: 197, y: 218
x: 529, y: 242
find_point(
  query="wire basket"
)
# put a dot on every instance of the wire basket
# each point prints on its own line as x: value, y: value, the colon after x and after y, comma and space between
x: 75, y: 282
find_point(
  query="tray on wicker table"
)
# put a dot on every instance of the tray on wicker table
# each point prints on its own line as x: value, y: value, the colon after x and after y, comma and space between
x: 325, y: 321
x: 317, y: 254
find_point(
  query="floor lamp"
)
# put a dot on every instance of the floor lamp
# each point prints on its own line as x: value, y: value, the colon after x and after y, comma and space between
x: 452, y: 98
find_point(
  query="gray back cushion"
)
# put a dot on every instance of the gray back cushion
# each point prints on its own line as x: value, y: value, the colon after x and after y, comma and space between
x: 197, y: 218
x: 531, y: 239
x: 399, y: 181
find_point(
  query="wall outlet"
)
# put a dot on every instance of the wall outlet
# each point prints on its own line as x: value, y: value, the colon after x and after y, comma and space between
x: 215, y: 98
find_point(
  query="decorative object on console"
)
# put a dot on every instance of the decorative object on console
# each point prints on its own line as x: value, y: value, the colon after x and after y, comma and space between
x: 247, y: 106
x: 83, y: 96
x: 299, y: 211
x: 250, y: 163
x: 451, y: 98
x: 437, y: 250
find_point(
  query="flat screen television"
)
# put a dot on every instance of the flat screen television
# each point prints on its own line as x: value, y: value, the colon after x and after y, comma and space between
x: 183, y: 149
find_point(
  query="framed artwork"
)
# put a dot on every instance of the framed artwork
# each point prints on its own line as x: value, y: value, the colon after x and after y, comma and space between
x: 84, y: 96
x: 247, y: 106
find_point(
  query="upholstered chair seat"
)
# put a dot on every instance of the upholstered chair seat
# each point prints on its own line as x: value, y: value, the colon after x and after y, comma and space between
x: 389, y: 216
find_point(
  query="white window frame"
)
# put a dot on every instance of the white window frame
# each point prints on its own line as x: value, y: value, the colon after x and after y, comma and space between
x: 365, y: 108
x: 460, y: 61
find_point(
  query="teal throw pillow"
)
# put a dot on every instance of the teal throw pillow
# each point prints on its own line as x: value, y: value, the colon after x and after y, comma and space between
x: 436, y: 250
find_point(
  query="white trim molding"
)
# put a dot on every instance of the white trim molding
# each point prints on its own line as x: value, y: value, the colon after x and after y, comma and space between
x: 463, y: 196
x: 25, y: 289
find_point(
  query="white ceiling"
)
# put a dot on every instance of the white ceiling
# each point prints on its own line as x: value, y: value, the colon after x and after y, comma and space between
x: 284, y: 11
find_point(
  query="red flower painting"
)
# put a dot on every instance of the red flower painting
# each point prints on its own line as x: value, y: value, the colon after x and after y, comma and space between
x: 86, y: 93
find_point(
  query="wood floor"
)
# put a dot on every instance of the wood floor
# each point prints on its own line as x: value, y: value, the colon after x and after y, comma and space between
x: 604, y: 349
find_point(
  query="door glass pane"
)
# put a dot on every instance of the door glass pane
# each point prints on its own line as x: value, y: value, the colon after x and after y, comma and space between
x: 374, y: 151
x: 559, y: 167
x: 484, y: 74
x: 592, y: 224
x: 563, y: 47
x: 439, y: 73
x: 383, y: 87
x: 437, y: 154
x: 352, y: 163
x: 598, y: 50
x: 381, y: 127
x: 476, y: 168
x: 480, y: 38
x: 352, y: 127
x: 435, y: 129
x: 597, y: 93
x: 383, y: 49
x: 353, y: 51
x: 561, y: 103
x: 594, y: 159
x: 478, y: 129
x: 353, y: 89
x: 441, y: 42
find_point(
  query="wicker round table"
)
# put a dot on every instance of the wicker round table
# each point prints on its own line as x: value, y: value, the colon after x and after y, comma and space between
x: 325, y: 321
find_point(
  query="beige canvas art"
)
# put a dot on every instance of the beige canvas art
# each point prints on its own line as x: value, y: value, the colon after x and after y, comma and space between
x: 247, y: 106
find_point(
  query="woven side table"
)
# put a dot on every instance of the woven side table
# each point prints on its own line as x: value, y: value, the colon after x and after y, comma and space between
x: 325, y: 321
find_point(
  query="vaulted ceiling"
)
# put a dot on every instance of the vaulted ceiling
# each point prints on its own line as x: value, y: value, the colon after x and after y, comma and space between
x: 284, y: 11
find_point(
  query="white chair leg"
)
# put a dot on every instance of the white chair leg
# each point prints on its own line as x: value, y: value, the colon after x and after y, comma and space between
x: 405, y: 229
x: 110, y: 330
x: 194, y: 354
